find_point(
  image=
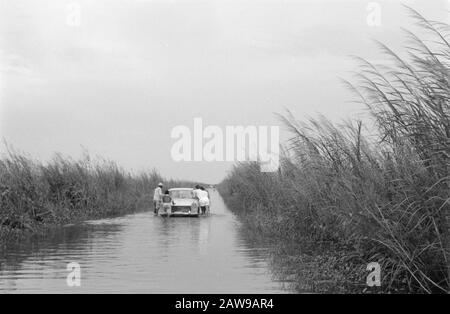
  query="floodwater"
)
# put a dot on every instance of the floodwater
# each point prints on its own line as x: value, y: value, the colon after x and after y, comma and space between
x: 143, y: 253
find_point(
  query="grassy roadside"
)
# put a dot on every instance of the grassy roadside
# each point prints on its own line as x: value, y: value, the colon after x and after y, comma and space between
x: 35, y: 197
x: 346, y: 196
x: 310, y: 263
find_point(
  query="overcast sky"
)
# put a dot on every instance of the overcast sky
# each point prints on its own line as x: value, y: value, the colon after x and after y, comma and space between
x: 120, y: 80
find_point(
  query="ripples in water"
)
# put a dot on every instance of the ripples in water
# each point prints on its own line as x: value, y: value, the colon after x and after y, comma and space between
x: 143, y: 253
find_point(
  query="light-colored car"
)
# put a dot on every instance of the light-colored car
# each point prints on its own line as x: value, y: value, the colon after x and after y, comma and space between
x: 183, y: 202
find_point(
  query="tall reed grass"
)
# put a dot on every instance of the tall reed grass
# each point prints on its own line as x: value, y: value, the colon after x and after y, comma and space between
x: 374, y: 194
x: 36, y: 195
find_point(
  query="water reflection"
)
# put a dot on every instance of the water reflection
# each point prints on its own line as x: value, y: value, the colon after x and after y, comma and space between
x: 143, y: 253
x: 264, y: 253
x: 36, y: 263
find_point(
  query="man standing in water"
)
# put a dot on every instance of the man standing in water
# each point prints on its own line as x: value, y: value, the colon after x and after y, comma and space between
x: 157, y: 198
x: 203, y: 198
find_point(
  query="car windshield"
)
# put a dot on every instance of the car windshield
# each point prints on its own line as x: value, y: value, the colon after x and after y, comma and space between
x: 181, y: 194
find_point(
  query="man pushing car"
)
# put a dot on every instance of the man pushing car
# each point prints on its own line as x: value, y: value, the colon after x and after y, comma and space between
x: 157, y: 198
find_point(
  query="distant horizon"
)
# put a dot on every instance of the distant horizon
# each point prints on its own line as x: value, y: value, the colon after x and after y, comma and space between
x: 94, y: 158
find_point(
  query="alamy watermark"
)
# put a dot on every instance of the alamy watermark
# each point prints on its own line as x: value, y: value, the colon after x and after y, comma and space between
x: 232, y: 143
x: 73, y: 279
x: 374, y: 277
x: 374, y: 14
x: 73, y: 17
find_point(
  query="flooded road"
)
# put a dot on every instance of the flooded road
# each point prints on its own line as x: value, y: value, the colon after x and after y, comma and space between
x: 143, y: 253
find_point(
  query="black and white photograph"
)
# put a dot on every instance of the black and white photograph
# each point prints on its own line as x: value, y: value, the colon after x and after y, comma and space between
x: 222, y: 154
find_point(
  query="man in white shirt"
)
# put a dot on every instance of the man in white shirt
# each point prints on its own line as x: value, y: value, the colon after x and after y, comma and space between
x: 157, y: 198
x: 195, y: 195
x: 203, y: 199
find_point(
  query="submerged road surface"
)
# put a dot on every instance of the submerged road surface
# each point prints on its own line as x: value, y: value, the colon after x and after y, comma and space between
x: 143, y: 253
